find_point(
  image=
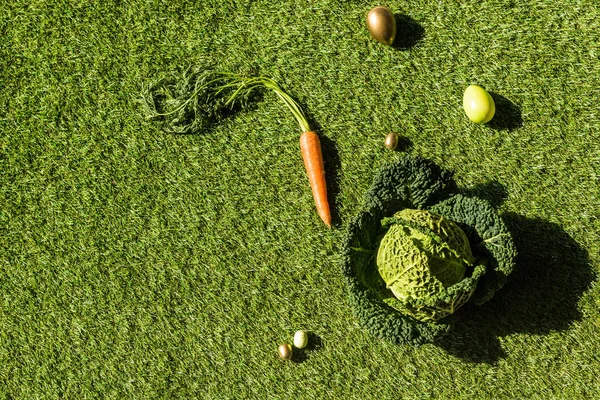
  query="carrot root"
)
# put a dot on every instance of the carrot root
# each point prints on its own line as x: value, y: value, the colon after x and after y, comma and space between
x: 310, y: 145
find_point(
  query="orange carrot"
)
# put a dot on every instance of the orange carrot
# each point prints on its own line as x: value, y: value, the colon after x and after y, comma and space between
x: 212, y: 85
x: 310, y: 145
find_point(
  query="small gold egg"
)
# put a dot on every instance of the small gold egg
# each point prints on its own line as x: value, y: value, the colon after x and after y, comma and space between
x: 391, y: 141
x: 285, y: 351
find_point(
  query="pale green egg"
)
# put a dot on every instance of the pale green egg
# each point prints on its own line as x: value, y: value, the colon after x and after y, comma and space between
x: 301, y: 339
x: 478, y: 104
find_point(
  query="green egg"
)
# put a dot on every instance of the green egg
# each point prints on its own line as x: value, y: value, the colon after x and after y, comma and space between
x: 300, y: 339
x: 479, y: 105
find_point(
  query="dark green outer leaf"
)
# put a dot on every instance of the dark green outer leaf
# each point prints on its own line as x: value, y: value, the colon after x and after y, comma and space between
x: 488, y: 236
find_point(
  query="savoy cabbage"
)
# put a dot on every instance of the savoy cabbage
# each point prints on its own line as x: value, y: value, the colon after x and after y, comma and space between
x: 412, y: 182
x: 421, y: 255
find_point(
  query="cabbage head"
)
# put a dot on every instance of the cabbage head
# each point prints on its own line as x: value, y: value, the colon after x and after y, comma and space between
x: 422, y: 258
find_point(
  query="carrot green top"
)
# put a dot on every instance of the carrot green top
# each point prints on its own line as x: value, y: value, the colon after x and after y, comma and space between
x: 204, y: 97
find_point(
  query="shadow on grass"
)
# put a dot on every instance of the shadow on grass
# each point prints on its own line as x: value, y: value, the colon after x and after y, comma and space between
x: 404, y: 144
x: 331, y: 159
x: 408, y: 32
x: 541, y: 296
x: 493, y: 192
x: 315, y: 343
x: 507, y: 116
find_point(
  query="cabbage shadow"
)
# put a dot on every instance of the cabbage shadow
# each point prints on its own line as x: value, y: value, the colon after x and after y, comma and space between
x: 493, y: 192
x: 541, y: 296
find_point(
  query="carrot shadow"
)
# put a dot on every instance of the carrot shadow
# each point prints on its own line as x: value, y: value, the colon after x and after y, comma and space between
x: 331, y: 159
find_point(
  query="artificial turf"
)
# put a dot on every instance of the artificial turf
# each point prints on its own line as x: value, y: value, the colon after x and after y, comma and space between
x: 139, y: 264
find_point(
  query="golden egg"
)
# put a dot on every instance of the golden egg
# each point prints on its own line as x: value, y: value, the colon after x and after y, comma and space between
x: 381, y: 23
x: 391, y: 141
x: 285, y: 351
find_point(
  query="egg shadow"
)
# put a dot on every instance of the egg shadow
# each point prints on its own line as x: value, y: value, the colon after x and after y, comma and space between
x: 508, y: 115
x: 404, y: 144
x: 408, y: 32
x: 315, y: 343
x: 541, y: 296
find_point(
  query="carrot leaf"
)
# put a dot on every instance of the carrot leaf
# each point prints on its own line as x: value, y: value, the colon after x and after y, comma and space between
x: 199, y: 98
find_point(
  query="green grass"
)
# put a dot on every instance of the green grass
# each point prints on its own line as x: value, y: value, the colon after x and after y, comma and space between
x: 136, y: 264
